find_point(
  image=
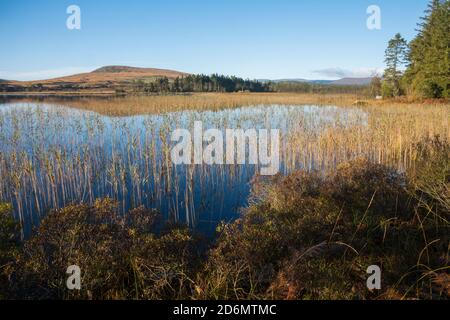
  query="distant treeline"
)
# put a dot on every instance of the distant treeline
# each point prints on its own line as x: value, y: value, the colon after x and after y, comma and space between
x: 420, y: 68
x: 221, y: 83
x: 308, y: 87
x: 200, y: 83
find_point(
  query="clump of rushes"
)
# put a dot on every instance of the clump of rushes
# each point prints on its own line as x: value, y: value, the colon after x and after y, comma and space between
x: 431, y: 177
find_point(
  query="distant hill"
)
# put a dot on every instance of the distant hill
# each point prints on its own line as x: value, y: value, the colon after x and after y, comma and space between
x: 296, y: 81
x: 353, y: 81
x: 110, y: 73
x: 283, y: 80
x: 114, y: 73
x: 342, y: 82
x: 108, y: 78
x: 145, y: 72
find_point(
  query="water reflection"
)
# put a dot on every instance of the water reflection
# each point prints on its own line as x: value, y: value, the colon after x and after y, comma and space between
x: 52, y: 155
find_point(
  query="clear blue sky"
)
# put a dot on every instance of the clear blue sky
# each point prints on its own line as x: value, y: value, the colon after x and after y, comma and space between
x: 314, y: 39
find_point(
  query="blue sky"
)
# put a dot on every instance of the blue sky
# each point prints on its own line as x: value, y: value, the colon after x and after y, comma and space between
x: 313, y: 39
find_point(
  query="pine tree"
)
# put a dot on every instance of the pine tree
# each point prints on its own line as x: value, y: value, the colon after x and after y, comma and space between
x: 428, y: 73
x: 395, y: 58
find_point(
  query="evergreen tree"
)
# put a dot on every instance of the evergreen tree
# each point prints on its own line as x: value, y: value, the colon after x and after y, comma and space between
x: 395, y: 58
x: 428, y: 73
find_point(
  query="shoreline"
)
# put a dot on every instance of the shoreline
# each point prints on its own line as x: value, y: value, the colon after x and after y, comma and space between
x: 244, y: 98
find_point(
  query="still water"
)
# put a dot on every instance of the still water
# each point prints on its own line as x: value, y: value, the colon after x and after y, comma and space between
x: 52, y: 154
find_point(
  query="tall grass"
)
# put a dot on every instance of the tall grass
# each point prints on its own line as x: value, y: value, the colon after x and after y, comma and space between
x: 53, y: 156
x: 307, y: 235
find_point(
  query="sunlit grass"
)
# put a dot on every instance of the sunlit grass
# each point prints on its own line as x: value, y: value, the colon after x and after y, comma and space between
x: 41, y: 169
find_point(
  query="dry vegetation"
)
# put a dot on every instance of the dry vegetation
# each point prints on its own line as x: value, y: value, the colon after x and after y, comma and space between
x: 312, y: 236
x: 156, y: 104
x: 48, y: 155
x: 309, y: 234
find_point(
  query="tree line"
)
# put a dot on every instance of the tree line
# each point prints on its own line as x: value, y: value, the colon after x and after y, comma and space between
x: 316, y: 88
x: 201, y: 83
x: 420, y: 68
x: 221, y: 83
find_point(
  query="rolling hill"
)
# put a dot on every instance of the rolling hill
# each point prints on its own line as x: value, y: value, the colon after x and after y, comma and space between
x: 352, y: 81
x: 109, y: 78
x: 341, y: 82
x: 299, y: 80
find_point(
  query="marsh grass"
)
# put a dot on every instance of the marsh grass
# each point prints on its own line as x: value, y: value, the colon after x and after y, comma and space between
x: 157, y: 104
x: 53, y: 157
x: 312, y: 236
x: 307, y: 235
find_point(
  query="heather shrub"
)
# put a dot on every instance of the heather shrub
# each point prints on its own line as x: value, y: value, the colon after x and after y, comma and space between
x: 119, y: 257
x: 9, y: 247
x: 313, y: 235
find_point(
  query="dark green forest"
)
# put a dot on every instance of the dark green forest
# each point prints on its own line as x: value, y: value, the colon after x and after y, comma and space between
x: 221, y: 83
x: 201, y: 83
x: 420, y: 68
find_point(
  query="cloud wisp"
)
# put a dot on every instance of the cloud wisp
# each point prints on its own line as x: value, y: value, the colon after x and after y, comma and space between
x: 349, y: 73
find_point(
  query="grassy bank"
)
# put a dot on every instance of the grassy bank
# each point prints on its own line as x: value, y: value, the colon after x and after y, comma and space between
x: 308, y: 235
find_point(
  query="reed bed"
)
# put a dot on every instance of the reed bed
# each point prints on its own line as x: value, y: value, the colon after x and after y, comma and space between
x: 156, y: 104
x: 52, y: 155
